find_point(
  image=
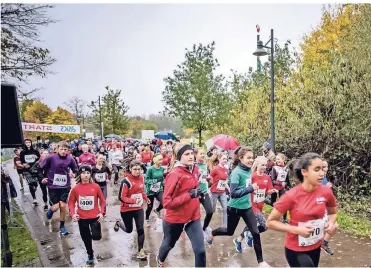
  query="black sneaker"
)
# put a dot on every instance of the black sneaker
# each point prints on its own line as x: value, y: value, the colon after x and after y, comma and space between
x: 327, y: 249
x: 46, y: 207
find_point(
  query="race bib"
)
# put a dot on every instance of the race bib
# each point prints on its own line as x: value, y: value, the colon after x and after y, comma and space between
x: 282, y: 175
x: 148, y: 164
x: 60, y: 180
x: 137, y: 197
x: 29, y: 158
x: 100, y: 177
x: 203, y: 177
x: 259, y: 195
x: 86, y: 202
x: 221, y: 185
x: 315, y: 236
x: 155, y: 187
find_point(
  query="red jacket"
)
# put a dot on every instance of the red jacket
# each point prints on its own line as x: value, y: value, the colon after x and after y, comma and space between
x: 86, y: 195
x: 87, y: 159
x: 219, y: 176
x: 146, y: 157
x: 132, y: 189
x: 166, y: 159
x: 180, y: 207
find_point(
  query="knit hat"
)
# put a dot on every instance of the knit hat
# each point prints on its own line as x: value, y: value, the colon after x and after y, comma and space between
x: 182, y: 149
x: 267, y: 145
x: 84, y: 168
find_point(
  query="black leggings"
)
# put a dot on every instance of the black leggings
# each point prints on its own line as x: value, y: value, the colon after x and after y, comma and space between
x: 303, y: 259
x: 234, y: 215
x: 44, y: 190
x: 172, y: 232
x: 158, y: 196
x: 90, y: 230
x: 138, y: 216
x: 32, y: 181
x: 274, y: 199
x: 116, y: 170
x: 208, y: 206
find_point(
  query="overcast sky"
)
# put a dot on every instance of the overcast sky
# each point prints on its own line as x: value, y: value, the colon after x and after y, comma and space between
x: 133, y: 47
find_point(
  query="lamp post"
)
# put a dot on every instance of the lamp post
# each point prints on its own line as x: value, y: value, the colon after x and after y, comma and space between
x: 260, y: 51
x: 100, y: 116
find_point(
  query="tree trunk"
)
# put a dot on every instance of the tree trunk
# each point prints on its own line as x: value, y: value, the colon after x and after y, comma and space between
x: 199, y: 138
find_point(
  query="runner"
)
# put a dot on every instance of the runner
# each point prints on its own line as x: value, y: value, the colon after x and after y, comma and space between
x: 101, y: 174
x: 269, y: 154
x: 204, y: 187
x: 131, y: 195
x: 325, y: 244
x: 89, y: 215
x: 154, y: 183
x: 138, y: 157
x: 280, y: 180
x: 307, y: 203
x: 103, y: 152
x: 147, y: 155
x: 219, y: 184
x: 240, y: 203
x: 87, y: 158
x: 115, y: 158
x: 29, y: 156
x: 18, y: 166
x: 57, y: 167
x: 165, y: 157
x: 265, y: 187
x: 37, y: 171
x: 181, y: 201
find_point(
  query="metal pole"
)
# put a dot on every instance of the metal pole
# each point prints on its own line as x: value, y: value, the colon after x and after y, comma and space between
x: 100, y: 119
x: 272, y: 93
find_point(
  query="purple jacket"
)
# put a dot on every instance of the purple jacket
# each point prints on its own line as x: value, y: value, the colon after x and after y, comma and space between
x: 57, y: 170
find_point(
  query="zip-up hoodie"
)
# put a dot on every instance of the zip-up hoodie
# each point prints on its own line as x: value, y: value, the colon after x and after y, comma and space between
x: 180, y: 207
x: 29, y: 156
x: 132, y: 189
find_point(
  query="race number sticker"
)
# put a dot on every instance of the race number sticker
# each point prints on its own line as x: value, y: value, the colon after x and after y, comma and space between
x: 60, y: 180
x: 315, y: 236
x: 30, y: 158
x: 203, y: 176
x: 155, y: 187
x: 282, y: 175
x: 86, y: 202
x: 259, y: 195
x: 221, y: 185
x: 100, y: 177
x: 137, y: 197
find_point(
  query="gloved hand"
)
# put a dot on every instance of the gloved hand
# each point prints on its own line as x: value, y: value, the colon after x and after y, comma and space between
x: 194, y: 193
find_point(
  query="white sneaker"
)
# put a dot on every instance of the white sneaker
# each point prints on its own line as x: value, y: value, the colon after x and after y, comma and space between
x: 264, y: 264
x: 35, y: 202
x: 21, y: 189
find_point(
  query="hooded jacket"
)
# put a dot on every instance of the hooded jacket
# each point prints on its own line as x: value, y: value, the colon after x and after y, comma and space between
x: 131, y: 190
x: 29, y: 155
x: 180, y: 207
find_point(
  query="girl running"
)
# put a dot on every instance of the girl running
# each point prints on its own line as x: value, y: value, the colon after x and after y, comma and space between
x: 265, y: 187
x: 204, y: 187
x: 101, y: 174
x: 240, y: 203
x: 18, y: 166
x: 154, y: 183
x: 307, y: 203
x: 181, y: 201
x: 86, y: 194
x: 131, y: 195
x: 219, y: 184
x: 143, y: 167
x: 147, y: 155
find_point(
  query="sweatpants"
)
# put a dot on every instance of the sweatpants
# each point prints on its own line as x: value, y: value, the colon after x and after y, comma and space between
x: 222, y: 198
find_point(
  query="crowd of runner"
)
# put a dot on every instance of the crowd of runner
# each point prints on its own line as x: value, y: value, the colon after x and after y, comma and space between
x: 182, y: 179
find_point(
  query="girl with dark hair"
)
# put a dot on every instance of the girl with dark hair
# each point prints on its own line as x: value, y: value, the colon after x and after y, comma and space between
x: 240, y: 203
x: 307, y: 203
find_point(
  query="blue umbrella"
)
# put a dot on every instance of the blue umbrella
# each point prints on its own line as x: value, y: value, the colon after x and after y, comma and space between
x: 164, y: 135
x: 110, y: 136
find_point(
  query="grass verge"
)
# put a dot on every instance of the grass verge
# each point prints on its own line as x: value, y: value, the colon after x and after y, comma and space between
x: 353, y: 225
x: 22, y: 245
x: 6, y: 158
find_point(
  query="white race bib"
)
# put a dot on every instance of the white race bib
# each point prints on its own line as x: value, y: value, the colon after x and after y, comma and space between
x: 203, y: 177
x: 137, y: 197
x: 60, y: 180
x: 316, y: 235
x: 100, y: 177
x: 282, y: 174
x: 259, y: 195
x: 155, y: 187
x: 221, y: 185
x: 86, y: 202
x: 29, y: 158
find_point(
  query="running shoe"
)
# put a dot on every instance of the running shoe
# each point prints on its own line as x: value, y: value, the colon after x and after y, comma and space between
x: 159, y: 263
x: 90, y: 261
x: 141, y: 255
x: 117, y: 226
x: 147, y: 224
x: 45, y: 207
x: 21, y: 189
x: 35, y: 202
x: 49, y: 214
x: 327, y: 249
x: 63, y: 231
x: 263, y: 264
x: 238, y: 245
x: 209, y: 235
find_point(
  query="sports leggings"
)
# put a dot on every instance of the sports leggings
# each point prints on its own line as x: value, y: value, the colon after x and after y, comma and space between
x: 208, y: 206
x: 248, y: 216
x: 158, y: 196
x: 138, y: 216
x: 303, y: 258
x: 90, y: 230
x: 274, y: 199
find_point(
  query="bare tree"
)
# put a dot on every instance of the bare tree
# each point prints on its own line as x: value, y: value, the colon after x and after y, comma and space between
x: 77, y: 107
x: 21, y: 56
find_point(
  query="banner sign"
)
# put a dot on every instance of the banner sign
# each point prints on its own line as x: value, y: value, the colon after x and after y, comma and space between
x: 67, y: 129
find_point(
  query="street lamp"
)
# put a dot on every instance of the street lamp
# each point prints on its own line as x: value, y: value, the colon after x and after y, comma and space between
x: 100, y: 116
x: 260, y: 51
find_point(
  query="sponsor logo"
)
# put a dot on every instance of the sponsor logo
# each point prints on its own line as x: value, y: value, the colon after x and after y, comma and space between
x: 321, y: 200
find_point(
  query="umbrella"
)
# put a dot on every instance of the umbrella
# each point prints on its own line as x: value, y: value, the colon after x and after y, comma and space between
x: 110, y: 136
x: 224, y: 142
x: 164, y: 135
